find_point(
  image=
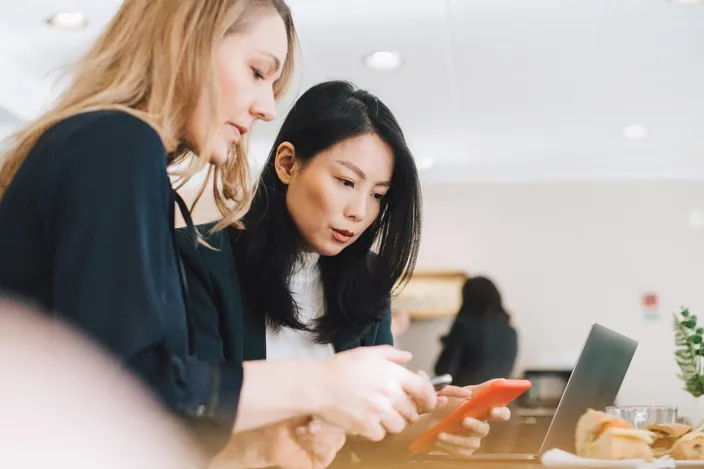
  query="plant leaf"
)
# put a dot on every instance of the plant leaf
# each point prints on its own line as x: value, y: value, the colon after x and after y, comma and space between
x: 686, y: 356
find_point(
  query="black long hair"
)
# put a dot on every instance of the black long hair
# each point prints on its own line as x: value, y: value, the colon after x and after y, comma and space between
x: 480, y: 297
x: 356, y: 282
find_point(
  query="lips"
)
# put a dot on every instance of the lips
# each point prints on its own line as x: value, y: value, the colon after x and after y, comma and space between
x: 342, y: 236
x: 241, y: 129
x: 238, y: 131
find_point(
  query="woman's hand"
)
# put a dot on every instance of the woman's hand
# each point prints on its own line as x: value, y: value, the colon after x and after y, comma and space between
x: 292, y: 444
x: 367, y: 392
x: 449, y: 392
x: 467, y: 443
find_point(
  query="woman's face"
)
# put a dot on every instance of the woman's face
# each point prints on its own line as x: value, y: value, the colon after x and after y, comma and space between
x: 246, y: 66
x: 337, y: 195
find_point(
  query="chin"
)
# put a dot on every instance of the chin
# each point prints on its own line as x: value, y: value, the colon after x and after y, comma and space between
x: 329, y: 249
x: 220, y: 155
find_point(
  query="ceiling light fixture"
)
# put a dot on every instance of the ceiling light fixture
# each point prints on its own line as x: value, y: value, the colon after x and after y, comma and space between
x: 687, y: 2
x: 383, y: 60
x: 68, y: 20
x: 634, y: 132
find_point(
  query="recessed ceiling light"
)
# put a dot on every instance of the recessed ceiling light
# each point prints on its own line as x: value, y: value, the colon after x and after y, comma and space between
x: 687, y: 2
x: 424, y: 164
x: 68, y: 20
x: 634, y: 132
x: 383, y: 60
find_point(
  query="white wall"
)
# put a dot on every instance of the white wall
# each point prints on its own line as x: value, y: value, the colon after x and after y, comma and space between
x: 566, y: 255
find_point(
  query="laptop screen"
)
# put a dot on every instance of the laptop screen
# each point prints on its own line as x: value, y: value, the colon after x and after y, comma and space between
x: 595, y: 382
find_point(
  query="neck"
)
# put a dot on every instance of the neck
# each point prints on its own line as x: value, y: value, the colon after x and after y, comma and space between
x: 307, y: 260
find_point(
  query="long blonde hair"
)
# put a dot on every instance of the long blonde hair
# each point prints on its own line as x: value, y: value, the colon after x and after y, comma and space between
x: 154, y: 60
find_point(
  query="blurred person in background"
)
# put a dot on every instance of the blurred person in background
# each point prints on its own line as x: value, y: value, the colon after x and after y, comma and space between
x: 87, y: 213
x: 482, y: 344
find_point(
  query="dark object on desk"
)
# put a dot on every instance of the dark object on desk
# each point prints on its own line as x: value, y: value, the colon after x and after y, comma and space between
x: 548, y: 387
x: 595, y: 382
x: 481, y: 344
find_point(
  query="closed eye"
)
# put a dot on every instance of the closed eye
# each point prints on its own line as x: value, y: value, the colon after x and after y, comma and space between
x: 257, y: 74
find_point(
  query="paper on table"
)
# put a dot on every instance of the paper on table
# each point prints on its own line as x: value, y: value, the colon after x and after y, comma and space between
x: 559, y: 458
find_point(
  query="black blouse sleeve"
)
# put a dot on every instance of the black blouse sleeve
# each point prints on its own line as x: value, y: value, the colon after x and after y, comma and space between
x: 115, y: 273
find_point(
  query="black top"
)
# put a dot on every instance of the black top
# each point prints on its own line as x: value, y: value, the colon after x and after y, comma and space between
x: 226, y: 329
x: 478, y: 349
x: 86, y: 231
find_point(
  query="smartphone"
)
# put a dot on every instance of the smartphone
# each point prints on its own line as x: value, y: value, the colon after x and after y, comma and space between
x: 499, y: 393
x: 441, y: 381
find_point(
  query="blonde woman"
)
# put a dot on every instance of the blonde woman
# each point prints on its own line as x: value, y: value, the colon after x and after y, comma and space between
x: 87, y: 213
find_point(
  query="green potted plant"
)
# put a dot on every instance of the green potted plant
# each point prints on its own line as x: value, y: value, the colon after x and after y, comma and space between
x: 689, y: 352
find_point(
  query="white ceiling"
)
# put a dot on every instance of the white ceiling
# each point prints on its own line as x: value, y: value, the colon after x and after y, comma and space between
x: 489, y: 89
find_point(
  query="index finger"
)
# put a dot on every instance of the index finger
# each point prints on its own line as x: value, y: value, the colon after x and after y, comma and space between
x: 455, y: 391
x: 420, y: 390
x: 390, y: 353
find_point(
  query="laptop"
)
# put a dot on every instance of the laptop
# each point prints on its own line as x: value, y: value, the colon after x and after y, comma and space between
x: 594, y: 383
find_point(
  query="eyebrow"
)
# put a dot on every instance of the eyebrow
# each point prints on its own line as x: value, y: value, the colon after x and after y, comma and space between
x: 358, y: 171
x: 277, y: 62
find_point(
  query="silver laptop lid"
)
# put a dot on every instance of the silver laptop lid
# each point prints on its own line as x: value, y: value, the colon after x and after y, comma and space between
x: 594, y: 383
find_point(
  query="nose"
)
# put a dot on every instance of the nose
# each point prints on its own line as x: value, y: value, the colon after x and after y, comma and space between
x: 264, y: 106
x: 356, y: 209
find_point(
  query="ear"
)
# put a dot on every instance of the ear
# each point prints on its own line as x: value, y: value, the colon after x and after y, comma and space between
x: 285, y: 161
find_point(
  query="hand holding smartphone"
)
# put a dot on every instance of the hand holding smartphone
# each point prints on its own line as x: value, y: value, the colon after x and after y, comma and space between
x: 499, y: 393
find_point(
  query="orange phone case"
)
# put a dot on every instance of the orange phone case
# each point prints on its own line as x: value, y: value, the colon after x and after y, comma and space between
x: 497, y: 394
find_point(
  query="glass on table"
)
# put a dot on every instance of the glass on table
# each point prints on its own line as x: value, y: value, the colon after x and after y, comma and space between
x: 644, y: 415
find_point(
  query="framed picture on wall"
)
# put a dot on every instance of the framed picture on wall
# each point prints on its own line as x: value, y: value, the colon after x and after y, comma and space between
x: 431, y: 294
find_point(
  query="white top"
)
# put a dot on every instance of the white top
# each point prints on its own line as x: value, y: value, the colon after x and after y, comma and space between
x: 307, y: 289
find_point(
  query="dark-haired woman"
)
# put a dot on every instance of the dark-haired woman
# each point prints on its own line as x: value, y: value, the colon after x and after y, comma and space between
x: 333, y: 228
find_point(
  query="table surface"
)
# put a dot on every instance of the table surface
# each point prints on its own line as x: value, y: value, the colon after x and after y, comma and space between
x: 444, y: 463
x: 466, y: 464
x: 454, y: 463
